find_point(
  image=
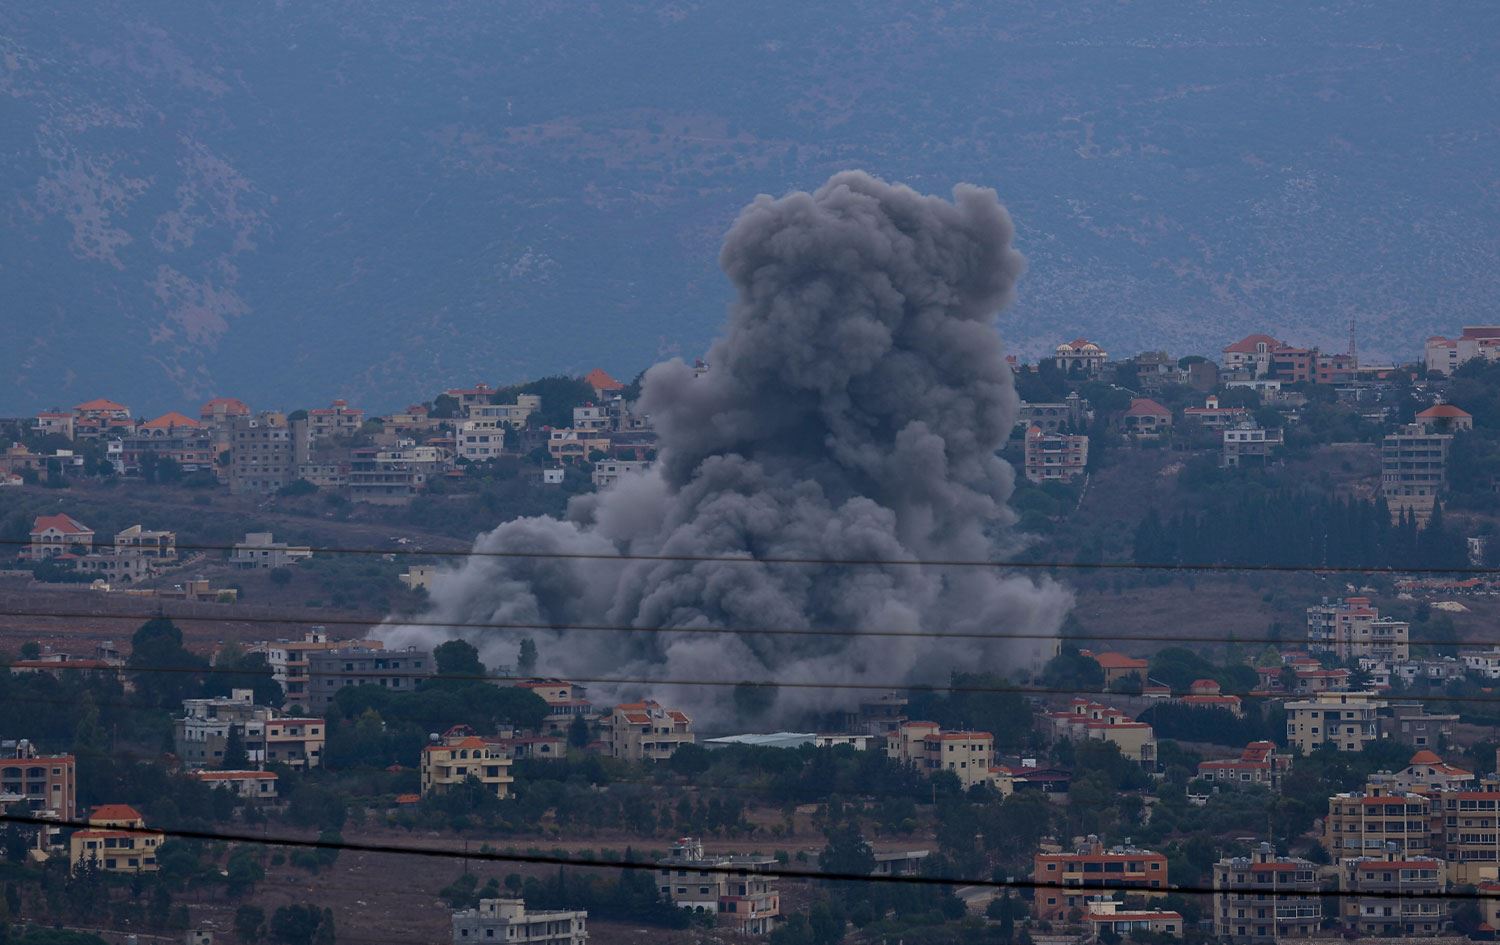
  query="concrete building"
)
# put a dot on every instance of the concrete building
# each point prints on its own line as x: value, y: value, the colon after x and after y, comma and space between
x: 1072, y: 411
x: 328, y: 671
x: 1146, y: 419
x: 1485, y: 663
x: 566, y: 702
x: 393, y: 475
x: 116, y: 841
x: 1264, y: 898
x: 38, y: 784
x: 1345, y: 720
x: 645, y: 731
x: 506, y: 920
x: 1079, y: 358
x: 1084, y: 719
x: 295, y: 742
x: 260, y: 550
x: 1413, y: 470
x: 1250, y: 355
x: 576, y: 445
x: 1055, y: 457
x: 250, y: 785
x: 288, y: 659
x: 337, y: 419
x: 1353, y: 628
x: 1092, y: 865
x: 1446, y: 355
x: 1215, y: 417
x: 201, y: 735
x: 1247, y: 443
x: 1392, y: 895
x: 264, y: 452
x: 732, y: 887
x: 457, y: 758
x: 1259, y: 763
x: 1445, y: 418
x: 1412, y: 724
x: 608, y: 471
x: 1368, y: 822
x: 1118, y: 667
x: 969, y: 756
x: 53, y: 535
x: 1106, y: 915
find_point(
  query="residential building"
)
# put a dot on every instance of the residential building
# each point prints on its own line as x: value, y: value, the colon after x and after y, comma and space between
x: 1251, y: 354
x: 264, y: 452
x: 1413, y: 470
x: 1362, y: 823
x: 1345, y: 720
x: 1264, y: 898
x: 1259, y: 763
x: 116, y: 841
x: 1353, y: 628
x: 1118, y: 667
x: 1071, y: 412
x: 1247, y: 443
x: 1105, y: 915
x: 202, y: 734
x: 38, y: 784
x: 1080, y: 357
x: 456, y: 758
x: 391, y: 476
x: 604, y: 386
x: 608, y: 471
x: 250, y: 785
x: 1146, y: 419
x: 481, y: 439
x: 294, y: 742
x: 1393, y: 895
x: 969, y: 756
x: 471, y: 397
x: 328, y: 671
x: 1445, y: 418
x: 565, y: 702
x: 645, y: 731
x: 54, y: 423
x: 288, y: 659
x: 260, y: 550
x: 592, y: 417
x: 1427, y: 773
x: 1089, y: 867
x: 1412, y: 724
x: 576, y: 445
x: 517, y: 415
x: 415, y: 419
x: 1446, y: 355
x: 1215, y: 417
x: 1085, y: 719
x: 506, y: 920
x: 1055, y: 457
x: 1207, y: 694
x: 418, y: 576
x: 732, y: 887
x: 337, y: 419
x: 101, y: 417
x: 172, y: 436
x: 53, y: 535
x: 219, y: 413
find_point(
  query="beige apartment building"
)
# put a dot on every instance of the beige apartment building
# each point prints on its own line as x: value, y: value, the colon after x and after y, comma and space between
x: 1377, y: 819
x: 645, y: 731
x: 1346, y: 720
x: 1393, y: 895
x: 1069, y: 879
x: 1353, y: 628
x: 295, y: 742
x: 970, y: 756
x: 458, y: 758
x: 1085, y: 719
x: 1264, y: 898
x: 116, y: 841
x: 735, y: 888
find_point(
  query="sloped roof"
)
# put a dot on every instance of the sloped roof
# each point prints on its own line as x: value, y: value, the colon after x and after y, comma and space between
x: 1247, y: 344
x: 169, y: 420
x: 63, y: 522
x: 115, y: 812
x: 599, y: 380
x: 100, y: 403
x: 1142, y: 406
x: 231, y: 406
x: 1118, y: 661
x: 1425, y: 757
x: 1443, y: 412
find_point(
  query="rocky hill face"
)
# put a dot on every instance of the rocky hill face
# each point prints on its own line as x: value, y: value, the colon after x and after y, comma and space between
x: 299, y: 201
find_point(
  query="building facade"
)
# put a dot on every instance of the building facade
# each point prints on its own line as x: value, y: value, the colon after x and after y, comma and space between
x: 506, y: 920
x: 1055, y: 457
x: 1066, y: 879
x: 645, y: 731
x: 1264, y: 898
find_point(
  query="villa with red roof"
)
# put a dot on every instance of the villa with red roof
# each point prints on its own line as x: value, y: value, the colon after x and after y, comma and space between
x: 1117, y: 666
x: 1258, y: 763
x: 116, y: 841
x: 1446, y: 355
x: 604, y: 386
x: 1252, y: 354
x: 1146, y: 419
x: 646, y: 731
x: 1079, y: 357
x: 1445, y: 418
x: 59, y: 534
x: 220, y: 410
x: 1427, y: 773
x: 100, y: 416
x: 1085, y: 719
x: 461, y: 755
x: 1206, y: 694
x: 167, y: 424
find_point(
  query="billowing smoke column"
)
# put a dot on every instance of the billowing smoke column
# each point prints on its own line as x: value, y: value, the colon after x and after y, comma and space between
x: 852, y: 410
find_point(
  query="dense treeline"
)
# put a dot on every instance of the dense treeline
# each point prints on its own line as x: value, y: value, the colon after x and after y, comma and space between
x: 1298, y: 529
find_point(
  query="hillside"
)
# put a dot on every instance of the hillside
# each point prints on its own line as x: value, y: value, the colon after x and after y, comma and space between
x: 293, y: 202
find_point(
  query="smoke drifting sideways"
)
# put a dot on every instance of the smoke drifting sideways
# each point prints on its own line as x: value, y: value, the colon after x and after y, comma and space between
x: 851, y: 410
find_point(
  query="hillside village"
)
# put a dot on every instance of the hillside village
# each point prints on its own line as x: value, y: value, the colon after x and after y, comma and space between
x: 1351, y: 750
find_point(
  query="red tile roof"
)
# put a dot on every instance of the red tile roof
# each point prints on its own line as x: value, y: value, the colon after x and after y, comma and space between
x: 100, y: 404
x: 1145, y: 406
x: 229, y: 406
x: 1247, y: 344
x: 115, y: 812
x: 599, y: 380
x: 1443, y: 412
x: 169, y: 420
x: 64, y: 523
x: 1118, y: 661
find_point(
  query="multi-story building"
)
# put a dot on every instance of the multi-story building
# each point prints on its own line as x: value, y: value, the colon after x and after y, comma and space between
x: 337, y: 419
x: 1084, y: 719
x: 969, y: 756
x: 470, y: 397
x: 1393, y: 895
x: 1345, y: 720
x: 576, y: 445
x: 219, y: 413
x: 506, y: 920
x: 645, y: 731
x: 116, y: 841
x: 457, y: 758
x: 137, y: 553
x: 1069, y: 879
x: 1215, y: 417
x: 1413, y: 470
x: 260, y: 550
x: 1266, y: 898
x: 1446, y: 355
x: 53, y: 535
x: 385, y: 475
x: 1251, y: 355
x: 295, y: 742
x: 481, y: 439
x: 101, y: 417
x: 250, y: 785
x: 731, y: 887
x: 1247, y: 443
x: 1072, y: 411
x: 565, y: 702
x: 202, y: 734
x: 173, y: 436
x: 608, y: 471
x: 54, y: 423
x: 517, y: 415
x: 1258, y: 763
x: 1146, y: 419
x: 1365, y: 823
x: 1353, y: 628
x: 1106, y: 915
x: 1080, y: 357
x: 1055, y: 457
x: 1445, y: 418
x: 1468, y: 825
x: 288, y: 659
x: 1118, y: 667
x: 328, y: 671
x: 604, y: 386
x: 264, y: 452
x: 592, y: 417
x: 38, y: 784
x: 1485, y: 663
x: 1411, y: 724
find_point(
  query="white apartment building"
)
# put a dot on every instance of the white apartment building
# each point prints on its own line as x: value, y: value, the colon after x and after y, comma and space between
x: 506, y: 920
x: 608, y: 471
x: 1353, y: 629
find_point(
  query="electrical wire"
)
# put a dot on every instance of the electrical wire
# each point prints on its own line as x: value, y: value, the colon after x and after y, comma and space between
x: 777, y: 872
x: 1018, y: 564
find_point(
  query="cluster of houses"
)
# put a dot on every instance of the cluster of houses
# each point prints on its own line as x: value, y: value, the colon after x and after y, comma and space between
x: 338, y: 448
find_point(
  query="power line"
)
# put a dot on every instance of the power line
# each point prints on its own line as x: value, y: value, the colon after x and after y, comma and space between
x: 858, y: 562
x: 778, y: 872
x: 560, y: 627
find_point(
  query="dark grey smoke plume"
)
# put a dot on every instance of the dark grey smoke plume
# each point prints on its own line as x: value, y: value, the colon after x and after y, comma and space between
x: 852, y: 410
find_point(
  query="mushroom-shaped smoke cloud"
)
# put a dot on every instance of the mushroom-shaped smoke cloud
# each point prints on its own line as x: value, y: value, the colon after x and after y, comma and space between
x: 852, y: 410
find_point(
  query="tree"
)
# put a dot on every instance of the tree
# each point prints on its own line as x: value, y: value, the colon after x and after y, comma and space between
x: 526, y: 658
x: 300, y: 925
x: 235, y: 756
x: 281, y: 576
x: 31, y: 650
x: 164, y: 668
x: 847, y: 851
x: 249, y: 923
x: 458, y: 658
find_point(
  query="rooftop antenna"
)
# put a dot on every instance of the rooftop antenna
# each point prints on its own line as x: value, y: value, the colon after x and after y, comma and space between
x: 1353, y: 346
